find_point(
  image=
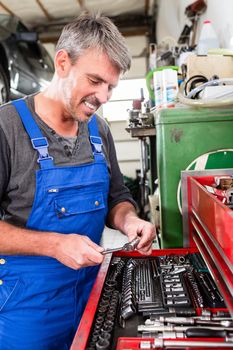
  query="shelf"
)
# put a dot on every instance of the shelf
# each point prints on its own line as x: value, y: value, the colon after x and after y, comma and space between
x: 142, y: 131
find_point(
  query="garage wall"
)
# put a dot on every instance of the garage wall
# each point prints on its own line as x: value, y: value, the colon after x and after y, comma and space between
x: 171, y: 19
x: 138, y: 46
x: 127, y: 148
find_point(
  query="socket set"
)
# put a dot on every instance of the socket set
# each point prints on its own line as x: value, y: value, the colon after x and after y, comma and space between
x: 101, y: 336
x: 174, y: 290
x: 138, y: 290
x: 147, y: 285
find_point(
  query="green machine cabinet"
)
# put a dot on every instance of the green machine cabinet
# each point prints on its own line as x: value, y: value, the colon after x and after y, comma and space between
x: 188, y: 139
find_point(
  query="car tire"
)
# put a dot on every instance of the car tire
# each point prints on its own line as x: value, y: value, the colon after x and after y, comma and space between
x: 4, y: 86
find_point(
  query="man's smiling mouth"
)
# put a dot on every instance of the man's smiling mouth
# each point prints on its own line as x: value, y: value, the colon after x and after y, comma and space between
x: 89, y: 105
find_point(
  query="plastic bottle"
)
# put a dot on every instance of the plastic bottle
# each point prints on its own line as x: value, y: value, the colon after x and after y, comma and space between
x: 208, y: 39
x: 170, y: 87
x: 158, y: 88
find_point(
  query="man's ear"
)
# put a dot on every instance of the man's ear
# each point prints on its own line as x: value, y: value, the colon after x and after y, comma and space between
x: 62, y: 63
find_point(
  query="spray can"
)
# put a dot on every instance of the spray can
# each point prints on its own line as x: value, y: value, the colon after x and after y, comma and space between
x: 170, y: 87
x: 158, y: 88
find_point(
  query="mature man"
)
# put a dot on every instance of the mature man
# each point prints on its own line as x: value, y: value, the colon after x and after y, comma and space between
x: 59, y: 184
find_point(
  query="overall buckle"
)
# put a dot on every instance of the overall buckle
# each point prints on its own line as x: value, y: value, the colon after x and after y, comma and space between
x: 97, y: 143
x: 41, y: 145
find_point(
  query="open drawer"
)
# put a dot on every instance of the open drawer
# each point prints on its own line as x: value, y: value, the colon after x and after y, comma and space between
x: 176, y: 298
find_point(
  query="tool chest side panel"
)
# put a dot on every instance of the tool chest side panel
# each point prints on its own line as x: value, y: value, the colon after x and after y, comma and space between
x: 215, y: 216
x: 220, y: 271
x: 211, y: 227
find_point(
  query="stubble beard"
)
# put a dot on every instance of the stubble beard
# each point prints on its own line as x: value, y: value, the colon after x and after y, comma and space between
x: 70, y: 104
x: 74, y: 114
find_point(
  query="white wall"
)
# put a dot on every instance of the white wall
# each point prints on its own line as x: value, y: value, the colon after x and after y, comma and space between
x: 137, y: 44
x: 171, y: 19
x: 127, y: 148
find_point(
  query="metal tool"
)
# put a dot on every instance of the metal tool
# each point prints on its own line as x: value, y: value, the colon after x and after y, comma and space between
x: 174, y: 344
x: 151, y: 328
x: 188, y: 321
x: 128, y: 247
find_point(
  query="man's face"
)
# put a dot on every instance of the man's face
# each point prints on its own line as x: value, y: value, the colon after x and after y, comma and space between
x: 89, y: 84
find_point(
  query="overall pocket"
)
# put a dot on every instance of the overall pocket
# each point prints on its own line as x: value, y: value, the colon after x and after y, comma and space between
x: 82, y: 211
x: 74, y: 208
x: 81, y: 214
x: 73, y: 205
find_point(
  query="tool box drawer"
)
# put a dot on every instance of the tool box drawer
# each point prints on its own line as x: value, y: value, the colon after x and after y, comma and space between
x: 178, y: 298
x: 139, y: 302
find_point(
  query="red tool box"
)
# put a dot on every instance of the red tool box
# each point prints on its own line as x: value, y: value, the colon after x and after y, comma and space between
x: 187, y: 284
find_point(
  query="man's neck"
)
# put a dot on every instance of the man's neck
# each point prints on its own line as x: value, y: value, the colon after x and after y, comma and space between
x: 51, y: 111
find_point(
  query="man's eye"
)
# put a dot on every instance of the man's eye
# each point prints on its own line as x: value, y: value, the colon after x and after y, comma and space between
x: 94, y: 82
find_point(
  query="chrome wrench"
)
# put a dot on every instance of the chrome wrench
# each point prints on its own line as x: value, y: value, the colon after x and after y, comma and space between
x: 127, y: 247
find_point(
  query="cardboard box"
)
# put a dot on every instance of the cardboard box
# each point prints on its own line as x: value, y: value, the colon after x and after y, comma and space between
x: 210, y: 65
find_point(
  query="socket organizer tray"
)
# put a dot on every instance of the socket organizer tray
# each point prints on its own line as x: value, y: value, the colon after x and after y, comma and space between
x: 147, y: 297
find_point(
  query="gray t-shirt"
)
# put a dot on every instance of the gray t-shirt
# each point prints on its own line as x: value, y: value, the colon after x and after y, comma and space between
x: 18, y: 161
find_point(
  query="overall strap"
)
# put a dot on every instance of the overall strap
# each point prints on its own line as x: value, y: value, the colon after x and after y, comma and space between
x: 39, y: 142
x: 95, y: 139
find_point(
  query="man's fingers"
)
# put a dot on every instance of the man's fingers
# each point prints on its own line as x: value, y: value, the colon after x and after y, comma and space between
x: 78, y: 251
x: 146, y: 250
x: 147, y: 237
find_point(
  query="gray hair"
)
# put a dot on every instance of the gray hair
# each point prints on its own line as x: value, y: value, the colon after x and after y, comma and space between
x: 95, y: 31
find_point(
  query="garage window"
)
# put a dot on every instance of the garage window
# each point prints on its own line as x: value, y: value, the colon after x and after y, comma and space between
x: 122, y: 98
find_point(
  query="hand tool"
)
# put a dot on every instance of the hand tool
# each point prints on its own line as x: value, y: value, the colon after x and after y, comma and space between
x: 171, y: 312
x: 193, y: 289
x: 128, y: 247
x: 199, y: 332
x: 164, y: 344
x: 102, y: 344
x: 190, y: 333
x: 155, y: 270
x: 188, y: 321
x: 128, y: 311
x: 151, y: 328
x: 176, y: 271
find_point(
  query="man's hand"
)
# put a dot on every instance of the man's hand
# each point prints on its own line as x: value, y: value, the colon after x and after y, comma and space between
x: 72, y: 250
x: 145, y: 230
x: 124, y: 218
x: 76, y: 251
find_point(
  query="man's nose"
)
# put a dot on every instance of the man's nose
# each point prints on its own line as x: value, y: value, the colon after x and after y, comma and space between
x: 103, y: 94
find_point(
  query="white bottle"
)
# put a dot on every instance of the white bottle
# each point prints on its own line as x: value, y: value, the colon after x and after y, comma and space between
x: 208, y: 39
x: 158, y: 88
x: 170, y: 87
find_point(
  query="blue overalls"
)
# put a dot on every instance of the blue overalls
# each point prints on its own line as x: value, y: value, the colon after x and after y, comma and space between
x: 41, y: 300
